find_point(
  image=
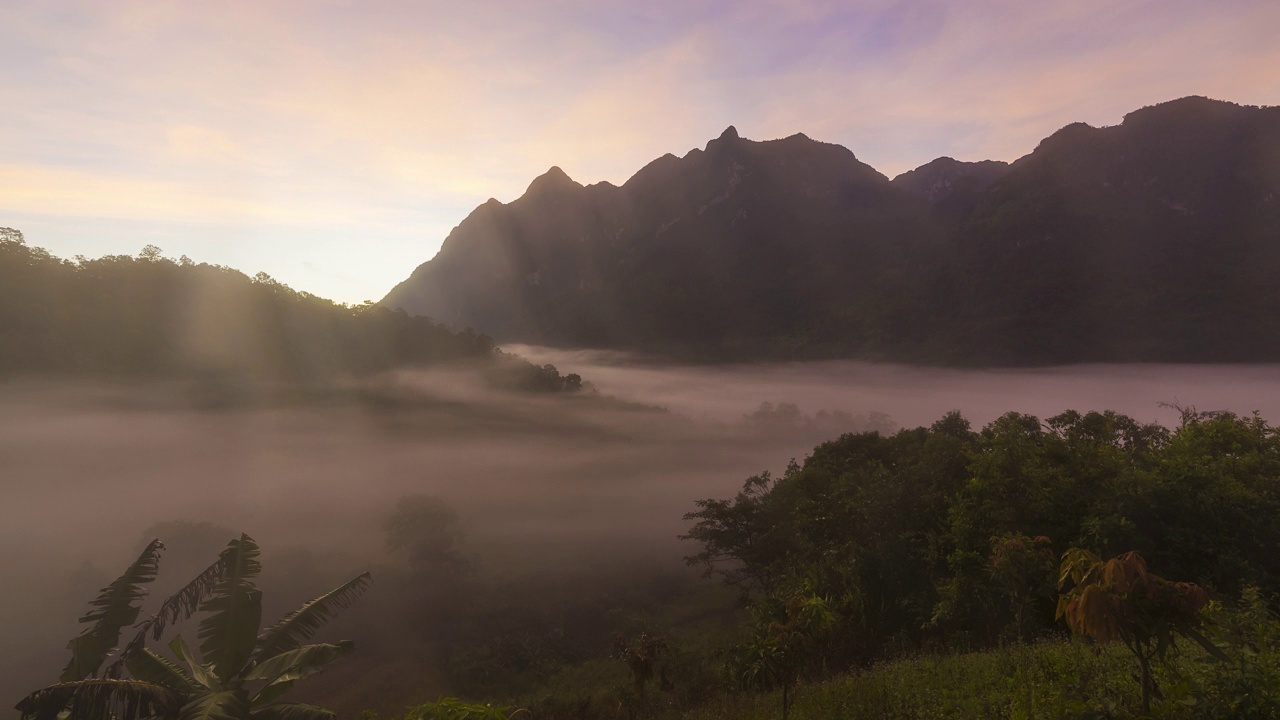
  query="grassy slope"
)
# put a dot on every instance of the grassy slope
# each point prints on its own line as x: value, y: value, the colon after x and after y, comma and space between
x: 1051, y: 679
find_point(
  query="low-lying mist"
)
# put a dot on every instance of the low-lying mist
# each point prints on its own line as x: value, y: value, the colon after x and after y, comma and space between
x: 913, y: 396
x: 541, y: 485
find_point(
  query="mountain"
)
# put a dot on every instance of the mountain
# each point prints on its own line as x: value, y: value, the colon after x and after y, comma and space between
x: 951, y: 187
x: 1157, y: 239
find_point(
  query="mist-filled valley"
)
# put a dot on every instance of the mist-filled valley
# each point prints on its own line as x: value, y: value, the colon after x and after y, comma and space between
x: 563, y: 506
x: 899, y: 359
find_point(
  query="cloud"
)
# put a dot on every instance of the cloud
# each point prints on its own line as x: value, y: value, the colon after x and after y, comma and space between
x: 401, y: 116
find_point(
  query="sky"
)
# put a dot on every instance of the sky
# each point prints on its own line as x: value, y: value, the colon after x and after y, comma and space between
x: 333, y: 144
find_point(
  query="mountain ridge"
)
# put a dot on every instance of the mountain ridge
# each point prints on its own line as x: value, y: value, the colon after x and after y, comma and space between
x: 793, y: 248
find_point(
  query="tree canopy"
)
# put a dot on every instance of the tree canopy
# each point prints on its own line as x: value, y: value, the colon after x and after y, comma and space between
x: 946, y: 536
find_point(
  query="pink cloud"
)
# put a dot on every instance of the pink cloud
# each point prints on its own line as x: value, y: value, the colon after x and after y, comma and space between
x: 401, y: 116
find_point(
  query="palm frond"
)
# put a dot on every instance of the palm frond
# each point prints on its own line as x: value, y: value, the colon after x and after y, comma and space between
x: 299, y: 625
x: 294, y: 665
x: 230, y: 632
x: 292, y: 711
x: 272, y: 692
x: 117, y: 606
x: 101, y: 698
x: 201, y: 673
x: 224, y: 705
x: 149, y: 667
x: 175, y: 608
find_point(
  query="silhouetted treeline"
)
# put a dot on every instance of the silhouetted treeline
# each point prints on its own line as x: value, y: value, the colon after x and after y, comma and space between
x: 152, y: 316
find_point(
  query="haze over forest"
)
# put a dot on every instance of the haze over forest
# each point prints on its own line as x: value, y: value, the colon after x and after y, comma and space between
x: 639, y: 361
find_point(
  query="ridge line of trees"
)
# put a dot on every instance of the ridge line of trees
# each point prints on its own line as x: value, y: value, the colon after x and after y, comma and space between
x: 148, y: 315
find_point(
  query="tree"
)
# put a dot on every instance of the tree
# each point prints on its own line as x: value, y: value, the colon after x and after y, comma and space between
x: 424, y: 531
x: 640, y: 654
x: 1119, y: 599
x: 785, y: 638
x: 239, y: 673
x: 735, y: 536
x: 1022, y: 569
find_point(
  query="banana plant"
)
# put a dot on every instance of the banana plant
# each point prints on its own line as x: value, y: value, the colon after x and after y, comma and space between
x: 239, y: 671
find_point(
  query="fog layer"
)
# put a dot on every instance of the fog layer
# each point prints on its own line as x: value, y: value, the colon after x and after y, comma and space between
x: 540, y: 484
x: 914, y: 396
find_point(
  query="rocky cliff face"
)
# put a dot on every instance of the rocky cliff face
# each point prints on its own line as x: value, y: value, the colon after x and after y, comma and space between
x: 1102, y: 244
x: 717, y: 247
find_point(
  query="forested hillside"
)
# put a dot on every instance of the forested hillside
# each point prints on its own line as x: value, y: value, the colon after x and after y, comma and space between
x: 150, y: 316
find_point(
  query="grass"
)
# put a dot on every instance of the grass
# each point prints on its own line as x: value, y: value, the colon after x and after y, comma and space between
x: 1054, y: 679
x: 1014, y: 682
x: 1050, y: 679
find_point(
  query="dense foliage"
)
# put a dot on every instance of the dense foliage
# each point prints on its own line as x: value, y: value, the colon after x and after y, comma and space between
x: 152, y: 316
x: 944, y: 538
x: 924, y: 538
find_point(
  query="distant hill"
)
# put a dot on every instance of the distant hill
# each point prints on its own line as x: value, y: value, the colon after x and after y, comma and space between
x: 152, y: 317
x: 1154, y: 240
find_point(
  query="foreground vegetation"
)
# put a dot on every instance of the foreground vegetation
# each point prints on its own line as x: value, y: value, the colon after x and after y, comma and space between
x: 932, y: 572
x: 240, y: 672
x: 940, y: 541
x: 1047, y: 679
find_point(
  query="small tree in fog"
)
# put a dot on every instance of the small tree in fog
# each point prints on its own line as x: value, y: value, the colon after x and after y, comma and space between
x: 423, y: 534
x: 424, y: 531
x: 640, y: 653
x: 787, y: 636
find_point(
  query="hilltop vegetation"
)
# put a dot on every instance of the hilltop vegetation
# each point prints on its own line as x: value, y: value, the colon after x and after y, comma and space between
x: 150, y: 316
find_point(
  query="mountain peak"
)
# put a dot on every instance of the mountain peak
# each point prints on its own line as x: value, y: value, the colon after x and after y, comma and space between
x: 793, y: 249
x: 551, y: 179
x: 1194, y: 109
x: 944, y: 178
